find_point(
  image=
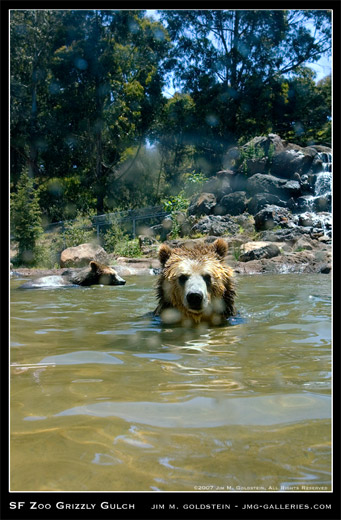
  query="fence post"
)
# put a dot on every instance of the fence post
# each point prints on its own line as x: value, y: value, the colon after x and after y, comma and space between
x: 134, y: 228
x: 63, y: 231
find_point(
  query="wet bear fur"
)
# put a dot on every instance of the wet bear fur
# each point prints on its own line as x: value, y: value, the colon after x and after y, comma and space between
x: 94, y: 274
x: 195, y: 284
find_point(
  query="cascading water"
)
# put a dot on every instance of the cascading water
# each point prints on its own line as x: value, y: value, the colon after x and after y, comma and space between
x: 326, y: 159
x: 318, y: 205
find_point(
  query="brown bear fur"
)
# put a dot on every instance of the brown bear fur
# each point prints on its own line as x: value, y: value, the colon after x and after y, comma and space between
x: 195, y: 284
x: 94, y: 274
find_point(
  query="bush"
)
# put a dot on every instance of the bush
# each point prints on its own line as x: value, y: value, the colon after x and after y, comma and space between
x: 113, y: 236
x: 129, y: 248
x: 118, y: 242
x: 78, y: 231
x: 178, y: 204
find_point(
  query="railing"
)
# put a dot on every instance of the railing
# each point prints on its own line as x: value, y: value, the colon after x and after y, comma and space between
x: 105, y: 220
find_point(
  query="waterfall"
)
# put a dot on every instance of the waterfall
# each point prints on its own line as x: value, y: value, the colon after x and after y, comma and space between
x: 317, y: 206
x: 323, y: 184
x: 326, y: 159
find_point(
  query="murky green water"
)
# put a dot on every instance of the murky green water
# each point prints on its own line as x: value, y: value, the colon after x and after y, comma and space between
x: 102, y: 399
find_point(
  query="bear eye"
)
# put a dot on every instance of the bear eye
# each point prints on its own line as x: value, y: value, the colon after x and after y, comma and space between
x: 207, y: 278
x: 183, y: 278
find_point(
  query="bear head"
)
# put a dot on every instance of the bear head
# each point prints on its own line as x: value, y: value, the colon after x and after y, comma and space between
x: 195, y: 282
x: 104, y: 275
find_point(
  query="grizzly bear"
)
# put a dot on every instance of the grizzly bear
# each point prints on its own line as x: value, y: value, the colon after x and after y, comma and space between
x: 94, y: 274
x: 195, y: 284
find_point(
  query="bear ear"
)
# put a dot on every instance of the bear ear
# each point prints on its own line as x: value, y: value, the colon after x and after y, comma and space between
x: 220, y: 248
x: 164, y: 253
x: 94, y: 266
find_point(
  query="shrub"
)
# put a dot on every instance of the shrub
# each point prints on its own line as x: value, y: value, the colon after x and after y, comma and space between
x: 129, y: 248
x: 78, y: 231
x: 113, y: 236
x: 118, y: 242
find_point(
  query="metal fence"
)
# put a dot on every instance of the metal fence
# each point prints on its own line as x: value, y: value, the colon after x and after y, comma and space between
x: 131, y: 219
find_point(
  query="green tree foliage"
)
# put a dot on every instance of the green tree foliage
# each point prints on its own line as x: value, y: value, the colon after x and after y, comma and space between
x: 26, y: 219
x: 87, y: 98
x: 228, y: 59
x: 101, y: 91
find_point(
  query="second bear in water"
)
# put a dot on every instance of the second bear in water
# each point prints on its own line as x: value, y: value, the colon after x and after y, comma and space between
x: 95, y: 274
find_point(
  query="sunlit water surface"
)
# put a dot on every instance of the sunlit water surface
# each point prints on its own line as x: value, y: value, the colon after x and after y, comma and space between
x: 104, y: 399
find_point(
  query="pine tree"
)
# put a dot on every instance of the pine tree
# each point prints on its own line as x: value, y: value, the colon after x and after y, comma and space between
x: 26, y: 219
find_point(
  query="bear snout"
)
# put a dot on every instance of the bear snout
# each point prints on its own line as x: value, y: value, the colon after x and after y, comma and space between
x: 195, y: 300
x: 119, y: 281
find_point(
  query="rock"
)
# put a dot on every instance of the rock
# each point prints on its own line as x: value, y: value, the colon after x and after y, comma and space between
x: 146, y: 240
x: 272, y: 216
x: 325, y: 239
x: 162, y: 230
x: 216, y: 225
x: 294, y: 159
x: 219, y: 185
x: 304, y: 243
x: 265, y: 142
x: 202, y: 204
x: 306, y: 220
x: 260, y: 200
x: 306, y: 187
x: 246, y: 223
x: 260, y: 183
x: 252, y: 166
x: 323, y: 203
x: 290, y: 236
x: 238, y: 182
x: 283, y: 189
x: 292, y: 188
x: 301, y: 262
x: 232, y: 157
x: 80, y: 256
x: 232, y: 204
x: 148, y: 245
x: 325, y: 269
x: 257, y: 250
x: 304, y: 203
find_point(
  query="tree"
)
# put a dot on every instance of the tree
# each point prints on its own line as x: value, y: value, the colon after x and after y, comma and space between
x: 31, y: 41
x: 111, y: 72
x: 86, y: 86
x: 233, y: 63
x: 26, y: 218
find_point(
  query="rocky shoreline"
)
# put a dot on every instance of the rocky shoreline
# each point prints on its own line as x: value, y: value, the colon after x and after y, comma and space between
x: 272, y: 205
x: 299, y: 256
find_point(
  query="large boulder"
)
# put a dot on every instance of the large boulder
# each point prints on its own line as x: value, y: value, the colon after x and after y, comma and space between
x: 252, y: 166
x: 257, y: 250
x: 202, y: 204
x: 292, y: 160
x: 260, y: 200
x: 231, y: 204
x: 272, y: 216
x: 216, y: 225
x: 80, y: 256
x: 219, y: 185
x: 265, y: 142
x: 284, y: 189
